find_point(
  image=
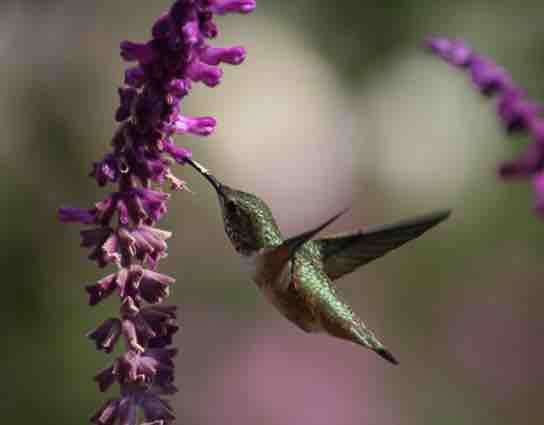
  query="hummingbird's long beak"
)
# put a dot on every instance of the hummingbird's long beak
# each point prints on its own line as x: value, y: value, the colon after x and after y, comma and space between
x: 204, y: 171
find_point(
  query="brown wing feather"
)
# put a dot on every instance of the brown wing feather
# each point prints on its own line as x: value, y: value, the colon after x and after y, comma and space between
x: 344, y: 253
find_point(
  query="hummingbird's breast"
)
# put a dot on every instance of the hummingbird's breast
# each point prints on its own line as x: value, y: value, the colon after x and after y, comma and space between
x: 293, y: 291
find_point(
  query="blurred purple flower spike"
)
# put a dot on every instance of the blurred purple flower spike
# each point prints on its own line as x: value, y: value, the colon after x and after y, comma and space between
x: 515, y: 111
x: 143, y: 150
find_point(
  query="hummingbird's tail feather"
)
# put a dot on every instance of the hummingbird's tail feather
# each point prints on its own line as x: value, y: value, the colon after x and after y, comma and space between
x: 387, y: 355
x: 365, y: 337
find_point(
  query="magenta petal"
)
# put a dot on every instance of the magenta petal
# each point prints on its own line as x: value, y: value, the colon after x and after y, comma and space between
x: 222, y: 7
x: 140, y: 52
x: 135, y: 77
x: 179, y: 154
x: 156, y: 409
x: 178, y: 88
x: 191, y: 32
x: 201, y: 72
x: 127, y: 411
x: 102, y: 289
x: 105, y: 379
x: 107, y: 414
x: 164, y: 27
x: 106, y: 335
x: 200, y: 126
x: 214, y: 55
x: 538, y: 186
x: 453, y: 51
x: 77, y: 215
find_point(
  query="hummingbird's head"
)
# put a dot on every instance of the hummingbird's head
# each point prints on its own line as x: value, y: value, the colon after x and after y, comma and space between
x: 248, y: 221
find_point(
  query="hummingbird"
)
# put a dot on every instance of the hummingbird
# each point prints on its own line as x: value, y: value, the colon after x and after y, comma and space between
x: 297, y: 274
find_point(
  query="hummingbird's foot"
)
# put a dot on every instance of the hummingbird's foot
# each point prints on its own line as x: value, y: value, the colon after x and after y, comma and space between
x: 387, y: 355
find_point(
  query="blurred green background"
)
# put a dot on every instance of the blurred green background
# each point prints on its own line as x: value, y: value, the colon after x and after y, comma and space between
x: 336, y: 106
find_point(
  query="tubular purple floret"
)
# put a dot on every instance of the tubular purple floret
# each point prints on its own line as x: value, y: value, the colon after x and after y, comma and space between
x: 515, y: 111
x: 122, y: 228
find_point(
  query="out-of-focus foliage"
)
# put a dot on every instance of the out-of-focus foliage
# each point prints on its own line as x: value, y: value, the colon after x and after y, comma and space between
x: 336, y: 105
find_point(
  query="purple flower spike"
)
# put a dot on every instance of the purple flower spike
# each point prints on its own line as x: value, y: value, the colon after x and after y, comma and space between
x: 513, y: 109
x: 122, y: 232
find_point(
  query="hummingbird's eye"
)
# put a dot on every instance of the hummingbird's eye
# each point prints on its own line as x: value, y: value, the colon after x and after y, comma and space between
x: 232, y: 208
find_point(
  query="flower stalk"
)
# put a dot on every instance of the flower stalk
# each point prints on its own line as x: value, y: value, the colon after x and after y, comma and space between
x: 121, y: 229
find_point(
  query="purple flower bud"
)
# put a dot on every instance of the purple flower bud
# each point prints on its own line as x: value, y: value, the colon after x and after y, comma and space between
x: 201, y: 126
x: 134, y: 366
x: 156, y: 409
x: 131, y: 336
x: 201, y: 72
x: 106, y: 170
x: 123, y: 213
x: 107, y: 252
x: 102, y: 289
x: 153, y: 326
x: 106, y: 335
x: 163, y: 383
x: 162, y: 321
x: 147, y: 111
x: 126, y: 369
x: 154, y: 287
x: 191, y: 32
x: 126, y: 100
x: 127, y: 411
x: 516, y: 112
x: 141, y: 52
x: 214, y: 55
x: 536, y: 129
x: 95, y: 237
x: 77, y: 215
x: 488, y: 76
x: 107, y: 414
x: 178, y: 88
x: 453, y: 51
x: 538, y: 186
x: 207, y: 25
x: 221, y: 7
x: 145, y: 241
x: 105, y: 379
x: 179, y: 154
x: 164, y: 27
x: 135, y: 77
x: 128, y: 280
x: 183, y: 11
x: 146, y: 203
x: 529, y: 163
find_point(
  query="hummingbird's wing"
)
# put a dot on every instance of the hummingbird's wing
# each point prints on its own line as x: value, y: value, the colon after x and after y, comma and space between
x: 344, y: 253
x: 276, y: 258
